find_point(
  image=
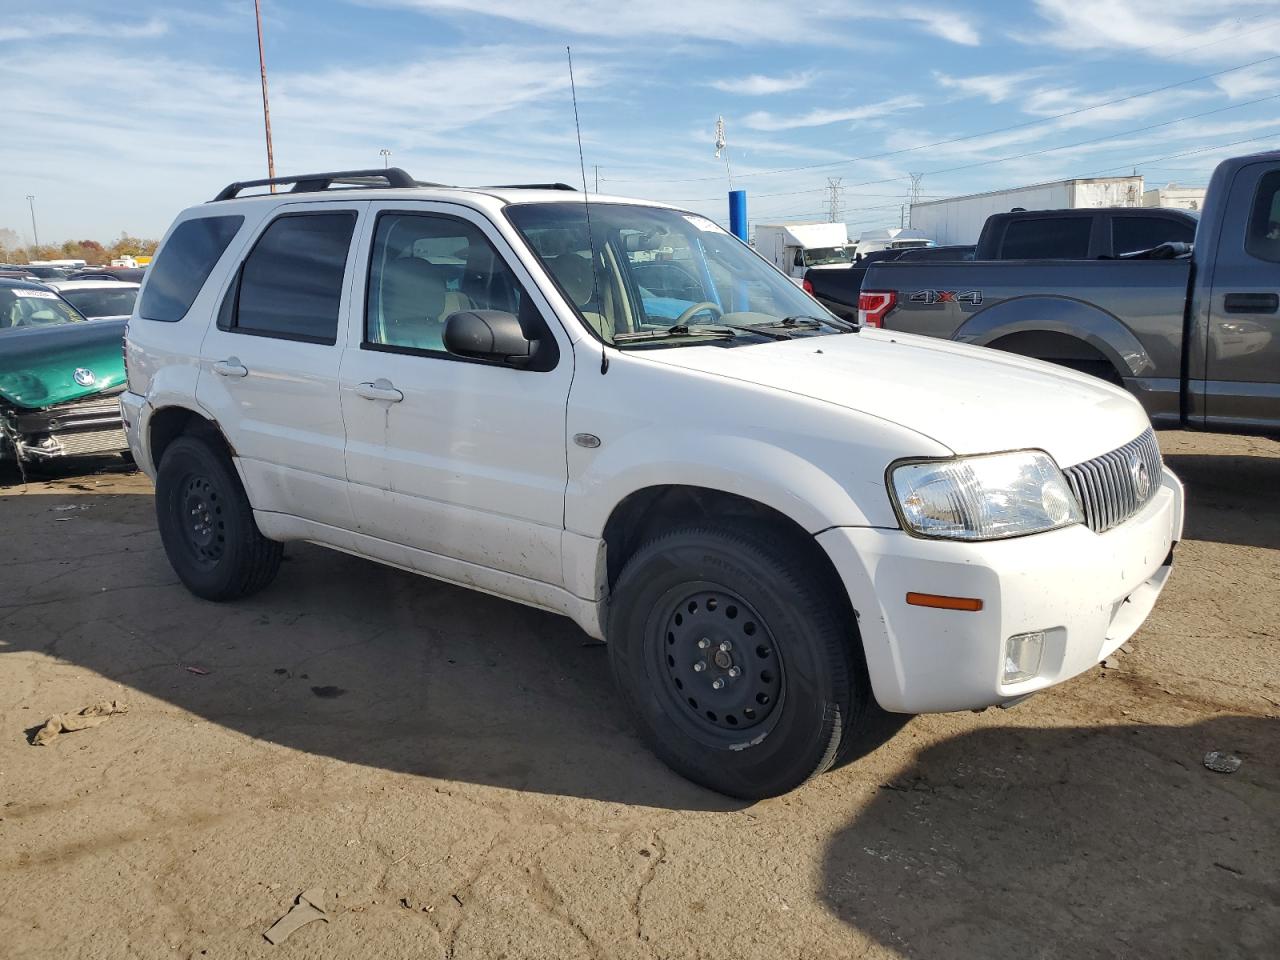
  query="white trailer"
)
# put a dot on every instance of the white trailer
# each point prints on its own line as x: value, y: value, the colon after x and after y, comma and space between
x: 892, y: 238
x: 960, y: 219
x: 795, y: 247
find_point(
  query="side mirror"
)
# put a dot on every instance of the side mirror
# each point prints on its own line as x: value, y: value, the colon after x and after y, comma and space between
x: 492, y: 335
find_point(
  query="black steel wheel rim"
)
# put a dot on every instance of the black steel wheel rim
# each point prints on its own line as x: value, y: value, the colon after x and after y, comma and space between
x: 201, y: 521
x: 715, y: 661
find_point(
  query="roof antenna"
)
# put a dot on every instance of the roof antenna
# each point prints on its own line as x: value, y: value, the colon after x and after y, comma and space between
x: 586, y: 204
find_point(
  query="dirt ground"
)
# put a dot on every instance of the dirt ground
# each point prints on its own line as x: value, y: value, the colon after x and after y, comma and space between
x: 455, y: 772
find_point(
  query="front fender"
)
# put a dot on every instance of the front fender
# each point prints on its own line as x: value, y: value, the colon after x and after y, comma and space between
x: 1062, y: 315
x: 753, y: 468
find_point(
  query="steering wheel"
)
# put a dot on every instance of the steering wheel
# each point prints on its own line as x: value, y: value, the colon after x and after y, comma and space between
x: 696, y: 309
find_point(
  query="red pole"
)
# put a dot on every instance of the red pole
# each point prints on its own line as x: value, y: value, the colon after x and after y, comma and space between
x: 266, y: 109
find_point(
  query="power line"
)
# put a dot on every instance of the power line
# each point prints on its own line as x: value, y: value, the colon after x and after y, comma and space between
x: 971, y: 136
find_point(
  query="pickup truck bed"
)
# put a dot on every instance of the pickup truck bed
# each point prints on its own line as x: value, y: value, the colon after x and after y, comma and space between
x: 1059, y: 310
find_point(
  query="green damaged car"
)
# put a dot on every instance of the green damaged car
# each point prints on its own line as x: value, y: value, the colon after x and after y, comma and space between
x: 60, y: 377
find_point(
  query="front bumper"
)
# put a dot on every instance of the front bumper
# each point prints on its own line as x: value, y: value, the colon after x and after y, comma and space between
x: 1087, y: 592
x: 85, y: 427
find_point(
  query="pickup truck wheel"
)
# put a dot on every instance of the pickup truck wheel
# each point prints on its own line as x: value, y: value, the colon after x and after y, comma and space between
x: 735, y: 660
x: 207, y: 526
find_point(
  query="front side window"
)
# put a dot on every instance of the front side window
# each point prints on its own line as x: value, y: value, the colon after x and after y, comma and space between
x: 22, y: 307
x: 647, y: 276
x: 184, y: 264
x: 291, y: 283
x: 1047, y: 238
x: 425, y: 267
x: 1262, y: 239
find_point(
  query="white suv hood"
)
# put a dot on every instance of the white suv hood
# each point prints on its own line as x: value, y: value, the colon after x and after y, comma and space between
x: 970, y: 399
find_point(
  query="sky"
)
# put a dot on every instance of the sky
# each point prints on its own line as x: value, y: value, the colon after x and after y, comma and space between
x: 116, y: 119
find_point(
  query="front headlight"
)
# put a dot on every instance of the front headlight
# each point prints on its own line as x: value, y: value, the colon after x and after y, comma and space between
x: 984, y: 498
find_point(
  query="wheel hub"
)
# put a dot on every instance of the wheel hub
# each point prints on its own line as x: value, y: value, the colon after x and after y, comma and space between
x: 720, y: 660
x: 202, y: 519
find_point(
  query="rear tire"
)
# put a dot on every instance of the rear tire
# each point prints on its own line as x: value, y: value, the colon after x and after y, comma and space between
x: 207, y: 525
x: 799, y: 684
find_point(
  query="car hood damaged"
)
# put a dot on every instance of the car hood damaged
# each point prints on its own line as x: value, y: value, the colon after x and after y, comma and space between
x: 44, y: 366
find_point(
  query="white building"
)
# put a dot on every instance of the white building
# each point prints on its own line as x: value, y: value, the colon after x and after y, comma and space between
x: 960, y: 219
x: 1172, y: 195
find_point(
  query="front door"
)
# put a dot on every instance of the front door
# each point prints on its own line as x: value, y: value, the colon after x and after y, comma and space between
x: 269, y: 366
x: 1242, y: 362
x: 453, y: 458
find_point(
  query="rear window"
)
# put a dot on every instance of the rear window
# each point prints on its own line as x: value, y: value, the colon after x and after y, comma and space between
x: 1048, y: 238
x: 184, y: 265
x: 291, y: 283
x: 1129, y: 234
x: 104, y: 302
x: 1263, y: 237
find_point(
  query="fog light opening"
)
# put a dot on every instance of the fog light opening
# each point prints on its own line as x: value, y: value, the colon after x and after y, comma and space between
x: 1022, y: 654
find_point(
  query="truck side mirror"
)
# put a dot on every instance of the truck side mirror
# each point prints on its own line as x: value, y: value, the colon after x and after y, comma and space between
x: 491, y: 335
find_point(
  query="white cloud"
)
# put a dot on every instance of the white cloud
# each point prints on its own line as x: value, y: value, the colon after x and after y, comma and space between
x: 48, y: 27
x: 758, y: 85
x: 480, y: 115
x: 821, y: 22
x: 1203, y: 31
x: 994, y: 87
x: 821, y: 117
x: 949, y: 26
x: 1248, y: 84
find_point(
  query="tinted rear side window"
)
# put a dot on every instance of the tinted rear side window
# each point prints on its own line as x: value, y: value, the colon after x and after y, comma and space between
x: 1129, y: 234
x: 1263, y: 237
x: 291, y: 284
x: 184, y: 265
x: 1051, y: 238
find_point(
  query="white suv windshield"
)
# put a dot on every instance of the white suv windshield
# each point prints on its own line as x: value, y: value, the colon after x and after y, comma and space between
x: 646, y: 276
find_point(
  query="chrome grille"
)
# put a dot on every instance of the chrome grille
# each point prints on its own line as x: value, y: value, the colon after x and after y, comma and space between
x: 1110, y: 488
x: 98, y: 403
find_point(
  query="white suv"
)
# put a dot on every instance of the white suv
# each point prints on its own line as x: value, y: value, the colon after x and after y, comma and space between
x: 617, y: 411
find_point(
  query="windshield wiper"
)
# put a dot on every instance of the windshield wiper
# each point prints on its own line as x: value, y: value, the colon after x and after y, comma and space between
x: 679, y: 330
x: 804, y: 320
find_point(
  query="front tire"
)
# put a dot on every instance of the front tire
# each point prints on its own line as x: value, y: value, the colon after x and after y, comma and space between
x: 207, y: 525
x: 736, y: 657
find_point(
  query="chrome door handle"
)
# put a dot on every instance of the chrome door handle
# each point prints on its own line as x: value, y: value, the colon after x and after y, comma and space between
x: 230, y: 367
x: 380, y: 389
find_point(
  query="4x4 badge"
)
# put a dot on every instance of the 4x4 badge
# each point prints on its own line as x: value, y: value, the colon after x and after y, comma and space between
x: 946, y: 296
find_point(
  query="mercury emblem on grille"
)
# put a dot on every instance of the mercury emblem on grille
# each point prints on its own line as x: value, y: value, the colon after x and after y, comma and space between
x: 1141, y: 479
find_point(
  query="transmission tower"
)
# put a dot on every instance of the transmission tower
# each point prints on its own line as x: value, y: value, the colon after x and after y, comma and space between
x: 915, y: 197
x: 833, y: 202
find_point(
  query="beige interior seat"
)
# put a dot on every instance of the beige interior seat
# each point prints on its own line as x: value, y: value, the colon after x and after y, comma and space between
x: 575, y: 276
x: 415, y: 304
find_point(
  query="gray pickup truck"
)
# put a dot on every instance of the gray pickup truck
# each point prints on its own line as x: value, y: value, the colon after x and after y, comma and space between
x: 1193, y: 333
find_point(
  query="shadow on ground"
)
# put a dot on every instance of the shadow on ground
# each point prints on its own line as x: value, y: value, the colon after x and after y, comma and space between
x: 340, y: 657
x: 966, y: 854
x: 1231, y: 499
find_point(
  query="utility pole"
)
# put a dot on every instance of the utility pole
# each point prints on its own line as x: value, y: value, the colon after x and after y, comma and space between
x: 31, y: 202
x: 597, y: 169
x: 833, y: 201
x: 266, y: 108
x: 386, y: 157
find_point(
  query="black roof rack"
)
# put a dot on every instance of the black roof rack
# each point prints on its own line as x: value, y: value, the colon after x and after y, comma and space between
x: 386, y: 177
x: 528, y: 186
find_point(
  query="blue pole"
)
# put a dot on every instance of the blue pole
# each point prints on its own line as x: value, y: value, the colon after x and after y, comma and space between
x: 738, y: 214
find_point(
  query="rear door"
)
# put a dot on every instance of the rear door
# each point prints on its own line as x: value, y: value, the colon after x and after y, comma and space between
x: 269, y: 366
x: 1242, y: 375
x: 463, y: 462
